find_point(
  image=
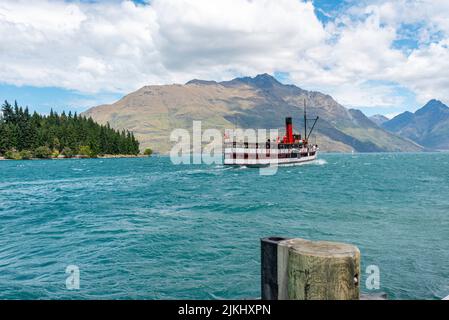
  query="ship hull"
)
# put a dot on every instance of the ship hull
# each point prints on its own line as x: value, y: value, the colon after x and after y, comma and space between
x: 260, y: 163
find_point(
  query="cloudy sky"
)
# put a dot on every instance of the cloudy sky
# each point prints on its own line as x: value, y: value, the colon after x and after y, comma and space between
x: 376, y: 55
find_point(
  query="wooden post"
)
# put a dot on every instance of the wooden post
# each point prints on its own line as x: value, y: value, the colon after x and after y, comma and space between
x: 310, y: 270
x: 269, y: 265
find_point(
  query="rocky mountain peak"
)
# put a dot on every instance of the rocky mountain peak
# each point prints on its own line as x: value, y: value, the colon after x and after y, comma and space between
x: 433, y: 106
x: 201, y: 82
x: 379, y: 119
x: 260, y: 81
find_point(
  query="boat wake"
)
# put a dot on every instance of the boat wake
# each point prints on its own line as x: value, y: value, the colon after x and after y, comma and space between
x: 319, y: 162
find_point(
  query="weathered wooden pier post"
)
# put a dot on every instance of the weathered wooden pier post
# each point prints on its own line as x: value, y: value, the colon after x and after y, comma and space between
x: 300, y: 269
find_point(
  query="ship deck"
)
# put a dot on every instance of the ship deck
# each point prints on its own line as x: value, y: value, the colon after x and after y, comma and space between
x: 266, y: 154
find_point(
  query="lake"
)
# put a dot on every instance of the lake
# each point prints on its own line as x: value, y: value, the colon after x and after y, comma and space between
x: 145, y: 228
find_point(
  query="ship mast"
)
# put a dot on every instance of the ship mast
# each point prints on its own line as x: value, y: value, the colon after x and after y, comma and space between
x: 307, y: 135
x: 305, y: 121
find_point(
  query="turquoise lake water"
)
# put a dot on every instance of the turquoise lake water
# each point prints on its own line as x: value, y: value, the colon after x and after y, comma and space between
x: 144, y: 228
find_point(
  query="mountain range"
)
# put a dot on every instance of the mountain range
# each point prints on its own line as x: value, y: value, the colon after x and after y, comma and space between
x: 152, y: 112
x: 428, y: 126
x: 379, y: 119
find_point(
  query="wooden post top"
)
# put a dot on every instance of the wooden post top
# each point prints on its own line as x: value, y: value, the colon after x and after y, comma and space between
x: 300, y: 269
x: 321, y: 248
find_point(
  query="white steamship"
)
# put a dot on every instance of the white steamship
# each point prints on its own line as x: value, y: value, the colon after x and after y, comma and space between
x: 291, y: 150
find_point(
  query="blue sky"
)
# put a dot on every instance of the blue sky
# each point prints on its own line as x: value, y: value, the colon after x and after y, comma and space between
x: 43, y: 99
x: 379, y: 56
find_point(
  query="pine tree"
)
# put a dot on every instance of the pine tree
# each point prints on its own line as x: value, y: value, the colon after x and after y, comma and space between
x: 8, y: 112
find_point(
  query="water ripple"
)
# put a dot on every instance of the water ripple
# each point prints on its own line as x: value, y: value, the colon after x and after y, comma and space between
x: 143, y: 228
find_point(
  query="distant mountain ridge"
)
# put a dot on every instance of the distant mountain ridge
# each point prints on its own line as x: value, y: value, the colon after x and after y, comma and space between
x: 152, y: 112
x: 379, y: 119
x: 428, y: 126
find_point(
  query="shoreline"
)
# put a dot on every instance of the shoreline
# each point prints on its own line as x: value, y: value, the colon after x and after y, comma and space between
x: 110, y: 156
x: 105, y: 156
x: 119, y: 156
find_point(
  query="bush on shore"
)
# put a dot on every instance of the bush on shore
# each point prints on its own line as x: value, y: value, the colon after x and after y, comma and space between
x: 13, y: 155
x: 43, y: 153
x: 25, y: 154
x: 148, y: 152
x: 87, y: 151
x: 67, y: 152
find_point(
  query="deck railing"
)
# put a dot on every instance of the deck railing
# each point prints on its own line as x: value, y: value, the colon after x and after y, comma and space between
x: 262, y: 145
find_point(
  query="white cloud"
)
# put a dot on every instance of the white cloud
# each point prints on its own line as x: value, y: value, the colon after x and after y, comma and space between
x: 364, y: 51
x: 219, y: 39
x: 356, y: 95
x: 119, y: 46
x: 42, y: 16
x: 87, y: 47
x: 92, y: 66
x: 426, y: 72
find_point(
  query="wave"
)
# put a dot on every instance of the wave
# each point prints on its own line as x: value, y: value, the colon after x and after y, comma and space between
x: 320, y: 162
